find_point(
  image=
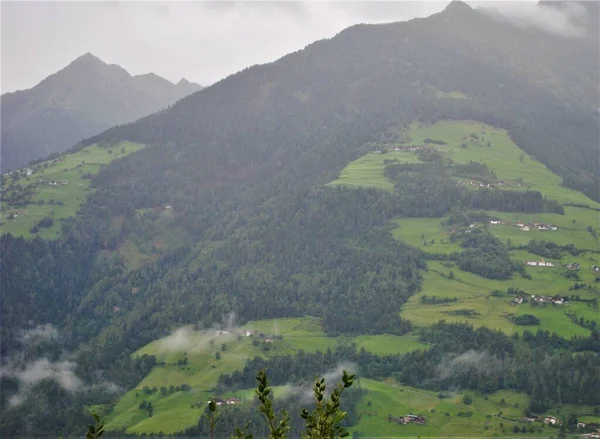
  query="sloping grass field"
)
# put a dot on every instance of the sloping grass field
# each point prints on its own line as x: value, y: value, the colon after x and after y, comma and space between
x: 177, y: 410
x: 60, y: 201
x: 495, y: 415
x: 469, y: 141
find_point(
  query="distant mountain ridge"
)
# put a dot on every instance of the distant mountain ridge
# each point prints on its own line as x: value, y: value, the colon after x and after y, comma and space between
x: 82, y: 99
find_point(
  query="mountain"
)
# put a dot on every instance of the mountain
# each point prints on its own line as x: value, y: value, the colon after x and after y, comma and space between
x: 341, y: 183
x: 83, y: 99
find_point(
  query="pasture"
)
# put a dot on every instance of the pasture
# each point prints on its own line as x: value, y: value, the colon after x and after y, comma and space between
x: 189, y: 357
x: 495, y: 415
x: 368, y: 170
x: 494, y: 147
x: 55, y: 201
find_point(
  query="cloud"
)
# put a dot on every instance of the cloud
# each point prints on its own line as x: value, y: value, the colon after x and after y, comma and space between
x: 565, y: 18
x: 332, y: 377
x: 187, y: 339
x: 467, y: 363
x: 43, y: 369
x: 38, y: 334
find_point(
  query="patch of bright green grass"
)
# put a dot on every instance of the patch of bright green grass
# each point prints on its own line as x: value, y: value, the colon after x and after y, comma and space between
x: 388, y: 344
x: 368, y: 170
x: 176, y: 411
x: 71, y: 167
x: 384, y: 399
x: 426, y: 233
x: 503, y: 156
x: 473, y: 293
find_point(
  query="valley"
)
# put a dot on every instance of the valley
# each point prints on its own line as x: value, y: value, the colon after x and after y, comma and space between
x: 415, y: 202
x: 196, y: 359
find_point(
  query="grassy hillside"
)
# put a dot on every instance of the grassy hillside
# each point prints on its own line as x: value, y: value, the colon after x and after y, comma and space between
x: 176, y: 410
x: 467, y: 296
x: 445, y: 417
x: 26, y: 200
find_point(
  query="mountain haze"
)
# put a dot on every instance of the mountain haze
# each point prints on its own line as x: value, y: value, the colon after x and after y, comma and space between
x: 84, y: 98
x: 236, y: 201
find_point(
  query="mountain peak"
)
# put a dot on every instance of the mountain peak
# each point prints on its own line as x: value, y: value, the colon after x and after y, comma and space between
x: 88, y: 59
x: 183, y: 81
x: 458, y: 6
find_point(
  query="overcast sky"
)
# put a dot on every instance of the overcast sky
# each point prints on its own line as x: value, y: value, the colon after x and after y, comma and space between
x: 201, y: 41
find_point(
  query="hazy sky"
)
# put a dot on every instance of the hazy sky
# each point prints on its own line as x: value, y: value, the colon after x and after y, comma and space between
x: 201, y: 41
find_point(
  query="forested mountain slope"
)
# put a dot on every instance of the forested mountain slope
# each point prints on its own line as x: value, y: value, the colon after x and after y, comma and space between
x: 542, y: 87
x: 226, y: 210
x: 80, y: 100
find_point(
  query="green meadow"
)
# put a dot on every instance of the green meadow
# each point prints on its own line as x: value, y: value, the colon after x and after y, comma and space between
x: 178, y: 410
x: 367, y: 171
x: 470, y: 294
x: 427, y: 233
x: 61, y: 201
x: 495, y: 415
x: 503, y: 156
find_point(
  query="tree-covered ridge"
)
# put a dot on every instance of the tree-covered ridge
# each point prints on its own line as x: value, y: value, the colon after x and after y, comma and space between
x: 345, y: 91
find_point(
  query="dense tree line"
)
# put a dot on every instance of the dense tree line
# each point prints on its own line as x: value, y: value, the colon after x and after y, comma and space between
x: 549, y: 249
x: 484, y: 255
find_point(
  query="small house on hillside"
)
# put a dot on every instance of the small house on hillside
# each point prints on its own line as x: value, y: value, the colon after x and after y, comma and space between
x: 495, y: 221
x: 572, y: 266
x: 558, y: 300
x: 595, y: 268
x: 232, y: 401
x: 551, y: 420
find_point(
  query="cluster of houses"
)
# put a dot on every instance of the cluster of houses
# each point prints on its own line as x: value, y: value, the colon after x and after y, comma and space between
x: 228, y: 401
x: 541, y: 263
x: 539, y: 226
x: 400, y: 148
x: 409, y: 419
x: 25, y: 172
x: 246, y: 333
x: 527, y: 227
x: 556, y: 300
x: 551, y: 420
x: 53, y: 182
